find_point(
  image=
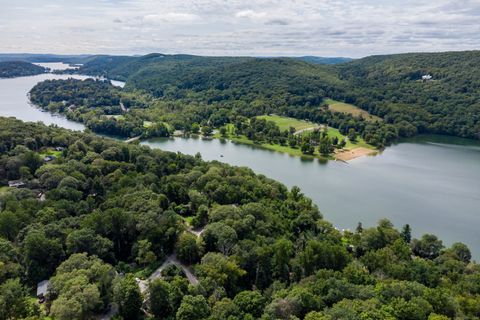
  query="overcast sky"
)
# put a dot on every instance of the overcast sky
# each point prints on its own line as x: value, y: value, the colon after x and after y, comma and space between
x: 352, y: 28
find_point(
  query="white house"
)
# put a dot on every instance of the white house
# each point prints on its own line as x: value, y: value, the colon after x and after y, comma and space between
x: 427, y: 77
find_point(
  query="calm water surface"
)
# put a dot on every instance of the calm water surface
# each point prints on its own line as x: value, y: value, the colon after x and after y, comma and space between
x: 432, y: 183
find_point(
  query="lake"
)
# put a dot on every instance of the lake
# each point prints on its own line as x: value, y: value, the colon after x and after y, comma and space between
x: 430, y: 182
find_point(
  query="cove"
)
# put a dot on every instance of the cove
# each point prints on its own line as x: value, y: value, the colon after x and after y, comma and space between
x: 430, y: 182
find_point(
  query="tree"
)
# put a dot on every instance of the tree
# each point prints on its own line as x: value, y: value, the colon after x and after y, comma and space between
x: 352, y: 135
x: 282, y: 253
x: 81, y: 287
x: 129, y: 298
x: 223, y: 270
x: 160, y: 305
x: 85, y: 240
x: 325, y: 146
x: 207, y: 130
x: 195, y: 128
x: 461, y: 252
x: 193, y: 308
x: 225, y: 309
x: 307, y: 148
x: 145, y: 255
x: 187, y: 249
x: 406, y: 233
x: 223, y: 131
x: 41, y: 254
x: 429, y: 246
x: 251, y: 302
x: 13, y: 300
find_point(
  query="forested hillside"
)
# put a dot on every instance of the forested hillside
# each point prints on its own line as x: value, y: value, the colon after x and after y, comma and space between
x: 92, y: 214
x: 10, y: 69
x: 387, y: 86
x: 392, y: 87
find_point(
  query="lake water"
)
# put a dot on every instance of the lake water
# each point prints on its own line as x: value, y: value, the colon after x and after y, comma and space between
x: 14, y: 101
x: 432, y: 183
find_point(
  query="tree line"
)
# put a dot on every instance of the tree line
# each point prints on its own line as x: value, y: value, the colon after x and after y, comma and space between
x: 113, y: 212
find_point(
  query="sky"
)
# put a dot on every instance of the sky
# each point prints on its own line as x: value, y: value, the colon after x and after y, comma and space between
x: 348, y: 28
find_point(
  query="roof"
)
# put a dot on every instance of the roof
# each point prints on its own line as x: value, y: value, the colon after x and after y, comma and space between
x: 42, y: 287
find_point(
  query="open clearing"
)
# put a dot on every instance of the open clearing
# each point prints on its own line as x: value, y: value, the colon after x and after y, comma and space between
x: 284, y: 123
x: 343, y: 107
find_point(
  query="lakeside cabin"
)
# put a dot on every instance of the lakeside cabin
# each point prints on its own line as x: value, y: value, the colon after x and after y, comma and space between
x: 42, y: 288
x: 16, y: 184
x: 49, y: 158
x: 426, y: 77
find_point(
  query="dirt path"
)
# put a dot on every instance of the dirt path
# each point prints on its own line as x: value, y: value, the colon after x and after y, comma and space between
x: 308, y: 129
x: 133, y: 139
x: 157, y: 274
x: 122, y: 106
x: 196, y: 232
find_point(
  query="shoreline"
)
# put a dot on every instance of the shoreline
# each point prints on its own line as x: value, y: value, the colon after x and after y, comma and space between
x: 348, y: 155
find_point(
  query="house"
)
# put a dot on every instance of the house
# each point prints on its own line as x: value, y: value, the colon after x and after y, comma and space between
x: 16, y: 184
x: 42, y: 288
x: 427, y: 77
x: 49, y: 158
x: 59, y: 148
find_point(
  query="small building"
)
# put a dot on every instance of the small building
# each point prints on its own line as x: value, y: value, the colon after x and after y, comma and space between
x: 59, y: 148
x: 427, y: 77
x: 16, y: 184
x: 42, y: 288
x: 49, y: 158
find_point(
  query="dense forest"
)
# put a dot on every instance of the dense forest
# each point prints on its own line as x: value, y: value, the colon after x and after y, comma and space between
x: 392, y: 88
x: 11, y: 69
x: 187, y: 91
x: 96, y: 217
x: 387, y: 86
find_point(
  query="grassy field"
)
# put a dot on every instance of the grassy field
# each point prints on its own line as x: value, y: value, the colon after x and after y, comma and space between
x: 50, y: 152
x: 284, y: 123
x: 332, y: 132
x: 343, y: 107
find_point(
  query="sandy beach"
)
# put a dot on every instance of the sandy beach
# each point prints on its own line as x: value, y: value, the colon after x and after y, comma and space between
x: 347, y: 155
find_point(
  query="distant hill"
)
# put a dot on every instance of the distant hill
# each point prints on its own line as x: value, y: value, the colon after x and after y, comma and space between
x: 324, y: 60
x: 28, y: 57
x: 10, y: 69
x: 389, y: 86
x: 217, y: 78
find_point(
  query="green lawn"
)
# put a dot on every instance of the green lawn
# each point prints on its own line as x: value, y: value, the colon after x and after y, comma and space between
x: 332, y: 132
x: 284, y: 123
x: 50, y: 152
x: 343, y: 107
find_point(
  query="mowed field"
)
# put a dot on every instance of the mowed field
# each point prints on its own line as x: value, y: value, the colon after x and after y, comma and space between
x: 284, y: 123
x: 343, y: 107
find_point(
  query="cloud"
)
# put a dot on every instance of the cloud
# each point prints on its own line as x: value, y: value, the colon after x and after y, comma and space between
x: 277, y: 22
x: 241, y: 27
x: 171, y: 17
x: 250, y: 14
